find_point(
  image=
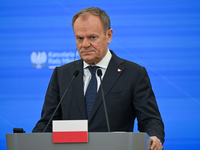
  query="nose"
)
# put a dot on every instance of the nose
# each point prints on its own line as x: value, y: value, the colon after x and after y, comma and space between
x: 85, y: 43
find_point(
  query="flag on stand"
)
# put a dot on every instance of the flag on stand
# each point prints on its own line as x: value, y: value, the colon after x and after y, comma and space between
x: 70, y: 131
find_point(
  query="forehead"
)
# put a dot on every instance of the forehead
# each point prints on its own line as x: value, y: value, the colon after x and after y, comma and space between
x: 88, y: 23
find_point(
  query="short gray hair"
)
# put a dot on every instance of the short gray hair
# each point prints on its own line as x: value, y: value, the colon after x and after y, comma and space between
x: 105, y: 19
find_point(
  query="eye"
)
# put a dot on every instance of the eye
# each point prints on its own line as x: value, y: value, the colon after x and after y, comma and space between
x: 93, y: 37
x: 79, y: 39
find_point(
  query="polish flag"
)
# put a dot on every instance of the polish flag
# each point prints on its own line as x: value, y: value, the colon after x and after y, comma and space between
x: 70, y: 131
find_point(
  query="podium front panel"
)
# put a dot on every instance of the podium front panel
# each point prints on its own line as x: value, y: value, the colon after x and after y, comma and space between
x: 96, y: 141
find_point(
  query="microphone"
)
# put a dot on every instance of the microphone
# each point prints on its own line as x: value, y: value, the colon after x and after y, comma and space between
x: 99, y: 73
x: 74, y: 76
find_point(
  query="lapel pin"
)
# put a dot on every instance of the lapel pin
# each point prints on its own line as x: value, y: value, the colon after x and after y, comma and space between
x: 119, y: 70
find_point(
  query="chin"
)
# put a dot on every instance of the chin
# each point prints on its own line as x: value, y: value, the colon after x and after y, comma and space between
x: 87, y: 57
x: 87, y: 60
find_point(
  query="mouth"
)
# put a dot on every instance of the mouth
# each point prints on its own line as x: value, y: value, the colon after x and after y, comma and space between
x: 87, y: 51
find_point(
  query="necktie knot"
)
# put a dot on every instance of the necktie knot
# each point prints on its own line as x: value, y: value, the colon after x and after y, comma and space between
x: 93, y: 69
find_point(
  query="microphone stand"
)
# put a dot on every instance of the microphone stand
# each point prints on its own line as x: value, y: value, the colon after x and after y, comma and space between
x: 99, y: 73
x: 74, y: 76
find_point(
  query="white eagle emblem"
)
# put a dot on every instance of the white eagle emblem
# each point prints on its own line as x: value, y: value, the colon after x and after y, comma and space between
x: 38, y: 59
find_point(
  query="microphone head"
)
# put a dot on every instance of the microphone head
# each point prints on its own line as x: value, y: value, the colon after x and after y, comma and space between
x: 99, y: 72
x: 76, y: 73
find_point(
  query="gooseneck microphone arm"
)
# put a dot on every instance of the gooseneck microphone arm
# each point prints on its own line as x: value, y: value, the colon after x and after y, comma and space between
x: 99, y: 73
x: 74, y: 76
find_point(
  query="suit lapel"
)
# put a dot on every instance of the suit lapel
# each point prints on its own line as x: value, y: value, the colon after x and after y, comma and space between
x: 113, y: 72
x: 78, y: 89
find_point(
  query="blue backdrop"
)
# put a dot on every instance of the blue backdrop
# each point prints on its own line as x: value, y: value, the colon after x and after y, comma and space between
x: 161, y: 35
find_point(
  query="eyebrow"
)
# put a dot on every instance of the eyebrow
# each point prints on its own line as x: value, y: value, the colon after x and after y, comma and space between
x: 86, y: 36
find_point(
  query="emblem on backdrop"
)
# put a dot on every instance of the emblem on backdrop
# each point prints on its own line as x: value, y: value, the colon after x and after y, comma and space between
x: 51, y: 59
x: 38, y: 59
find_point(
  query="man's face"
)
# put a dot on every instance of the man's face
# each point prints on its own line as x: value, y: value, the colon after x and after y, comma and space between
x: 91, y: 39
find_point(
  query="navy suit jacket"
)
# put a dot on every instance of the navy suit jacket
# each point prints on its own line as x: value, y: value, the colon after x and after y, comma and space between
x: 128, y: 94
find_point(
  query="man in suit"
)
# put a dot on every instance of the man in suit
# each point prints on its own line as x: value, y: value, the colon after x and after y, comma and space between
x: 127, y: 87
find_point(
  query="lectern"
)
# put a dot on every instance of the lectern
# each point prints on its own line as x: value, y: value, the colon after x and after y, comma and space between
x: 96, y: 141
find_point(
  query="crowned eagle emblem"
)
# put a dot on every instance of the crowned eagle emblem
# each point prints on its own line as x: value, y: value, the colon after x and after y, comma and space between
x: 38, y: 59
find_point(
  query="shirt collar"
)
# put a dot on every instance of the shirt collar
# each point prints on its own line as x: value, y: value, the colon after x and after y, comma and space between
x: 103, y: 63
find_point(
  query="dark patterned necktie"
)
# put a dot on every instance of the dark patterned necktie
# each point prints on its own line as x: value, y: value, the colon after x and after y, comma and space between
x: 91, y: 92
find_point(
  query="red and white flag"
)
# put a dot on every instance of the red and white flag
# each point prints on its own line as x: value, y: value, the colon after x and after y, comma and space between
x: 70, y: 131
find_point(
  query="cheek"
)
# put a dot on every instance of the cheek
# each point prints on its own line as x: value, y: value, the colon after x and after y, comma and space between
x: 96, y: 46
x: 78, y: 45
x: 100, y: 48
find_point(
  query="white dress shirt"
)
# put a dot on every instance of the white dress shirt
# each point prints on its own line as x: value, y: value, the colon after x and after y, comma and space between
x: 103, y: 64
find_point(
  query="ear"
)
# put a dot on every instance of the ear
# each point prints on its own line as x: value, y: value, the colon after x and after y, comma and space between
x: 109, y: 34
